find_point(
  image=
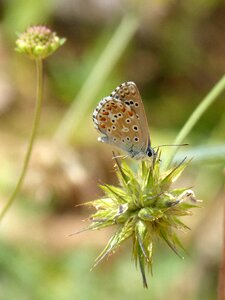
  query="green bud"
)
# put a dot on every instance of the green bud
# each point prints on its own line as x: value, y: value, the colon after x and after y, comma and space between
x: 38, y: 42
x: 150, y: 214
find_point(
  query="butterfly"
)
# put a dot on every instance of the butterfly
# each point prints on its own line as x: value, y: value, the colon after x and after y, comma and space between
x: 121, y: 120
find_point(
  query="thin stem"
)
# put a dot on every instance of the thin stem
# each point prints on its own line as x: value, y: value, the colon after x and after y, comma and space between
x: 110, y: 56
x: 39, y: 98
x: 195, y: 116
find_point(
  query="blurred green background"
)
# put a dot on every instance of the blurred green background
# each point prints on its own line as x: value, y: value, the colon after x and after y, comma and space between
x: 175, y: 52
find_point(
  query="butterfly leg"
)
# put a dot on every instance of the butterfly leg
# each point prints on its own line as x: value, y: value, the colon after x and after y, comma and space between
x: 131, y: 152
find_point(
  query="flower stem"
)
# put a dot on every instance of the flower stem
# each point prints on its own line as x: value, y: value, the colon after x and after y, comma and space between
x: 39, y: 98
x: 195, y: 116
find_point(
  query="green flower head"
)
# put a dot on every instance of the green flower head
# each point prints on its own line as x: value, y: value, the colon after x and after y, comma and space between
x: 143, y: 208
x: 38, y: 42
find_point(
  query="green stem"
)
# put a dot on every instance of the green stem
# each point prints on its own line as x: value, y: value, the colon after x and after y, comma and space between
x: 195, y: 116
x: 110, y: 56
x: 39, y: 98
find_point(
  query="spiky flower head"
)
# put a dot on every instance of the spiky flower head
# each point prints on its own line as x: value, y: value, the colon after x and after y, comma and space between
x: 38, y: 42
x: 143, y: 207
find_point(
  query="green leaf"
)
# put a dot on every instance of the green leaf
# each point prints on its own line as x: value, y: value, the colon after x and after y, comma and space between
x: 115, y: 193
x: 120, y: 236
x: 173, y: 175
x: 171, y: 244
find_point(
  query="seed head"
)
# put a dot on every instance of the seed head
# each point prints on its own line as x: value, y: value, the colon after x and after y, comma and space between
x: 143, y: 208
x: 38, y: 42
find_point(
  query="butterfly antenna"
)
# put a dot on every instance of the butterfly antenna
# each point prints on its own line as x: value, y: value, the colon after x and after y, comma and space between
x: 174, y: 145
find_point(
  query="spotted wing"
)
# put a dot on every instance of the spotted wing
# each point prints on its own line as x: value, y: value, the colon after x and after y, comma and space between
x: 128, y: 93
x: 119, y: 125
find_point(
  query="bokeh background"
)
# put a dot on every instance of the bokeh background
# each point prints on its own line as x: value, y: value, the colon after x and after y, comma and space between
x: 175, y: 52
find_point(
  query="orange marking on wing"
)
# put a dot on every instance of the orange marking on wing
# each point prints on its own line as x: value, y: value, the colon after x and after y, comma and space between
x: 114, y: 105
x: 102, y: 119
x: 102, y: 125
x: 105, y: 113
x: 130, y: 113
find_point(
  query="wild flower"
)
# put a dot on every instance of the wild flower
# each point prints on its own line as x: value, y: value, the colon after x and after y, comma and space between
x: 144, y: 207
x: 38, y: 42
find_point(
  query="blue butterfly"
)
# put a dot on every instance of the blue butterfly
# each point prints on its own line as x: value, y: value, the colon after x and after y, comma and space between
x: 121, y: 119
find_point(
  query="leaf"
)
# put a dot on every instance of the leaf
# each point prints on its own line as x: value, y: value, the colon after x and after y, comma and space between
x: 142, y: 268
x: 120, y: 236
x: 173, y: 175
x: 170, y: 244
x: 116, y: 193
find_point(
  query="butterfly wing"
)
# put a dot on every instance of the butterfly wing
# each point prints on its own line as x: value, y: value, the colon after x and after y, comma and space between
x: 128, y: 93
x: 120, y: 125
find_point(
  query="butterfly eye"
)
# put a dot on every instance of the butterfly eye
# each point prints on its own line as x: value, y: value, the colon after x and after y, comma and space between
x: 136, y: 139
x: 131, y: 102
x: 128, y: 120
x: 127, y: 138
x: 113, y: 127
x: 136, y: 104
x: 150, y: 152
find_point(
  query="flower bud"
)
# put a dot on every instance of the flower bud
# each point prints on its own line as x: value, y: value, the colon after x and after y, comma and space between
x: 38, y: 42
